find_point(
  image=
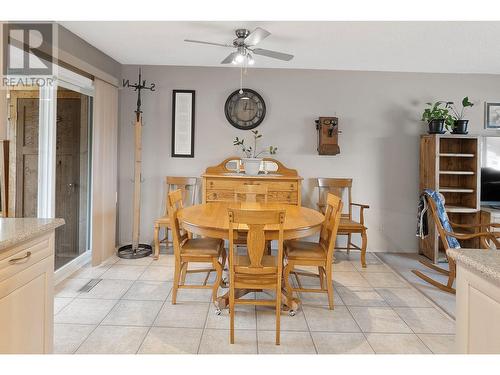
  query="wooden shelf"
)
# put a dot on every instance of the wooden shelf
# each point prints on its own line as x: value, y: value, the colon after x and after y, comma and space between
x: 460, y: 209
x: 455, y: 190
x: 463, y: 173
x: 448, y: 155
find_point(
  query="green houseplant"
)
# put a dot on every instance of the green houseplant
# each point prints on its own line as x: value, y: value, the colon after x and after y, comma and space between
x: 252, y: 160
x: 437, y: 116
x: 459, y: 124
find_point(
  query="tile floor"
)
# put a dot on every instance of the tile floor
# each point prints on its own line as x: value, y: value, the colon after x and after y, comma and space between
x: 129, y: 311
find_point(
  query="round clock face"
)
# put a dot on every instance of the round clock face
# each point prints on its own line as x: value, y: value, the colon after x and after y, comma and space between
x: 245, y: 111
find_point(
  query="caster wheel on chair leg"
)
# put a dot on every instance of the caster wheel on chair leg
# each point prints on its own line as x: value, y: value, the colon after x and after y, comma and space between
x: 291, y: 313
x: 218, y: 312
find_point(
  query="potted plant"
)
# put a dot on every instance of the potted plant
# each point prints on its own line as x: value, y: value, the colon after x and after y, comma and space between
x: 252, y: 161
x: 437, y: 117
x: 459, y: 124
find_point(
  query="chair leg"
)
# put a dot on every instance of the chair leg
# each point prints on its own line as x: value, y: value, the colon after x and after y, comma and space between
x: 218, y: 279
x: 184, y: 273
x: 278, y: 314
x: 156, y: 237
x: 321, y: 278
x: 453, y: 268
x: 231, y: 314
x: 437, y: 284
x: 329, y: 284
x: 364, y: 243
x: 177, y: 272
x: 348, y: 243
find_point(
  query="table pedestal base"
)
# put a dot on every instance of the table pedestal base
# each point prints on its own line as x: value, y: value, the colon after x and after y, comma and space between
x: 289, y: 304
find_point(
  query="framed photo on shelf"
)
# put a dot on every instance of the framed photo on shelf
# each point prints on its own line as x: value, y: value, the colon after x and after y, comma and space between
x: 492, y: 115
x: 183, y: 123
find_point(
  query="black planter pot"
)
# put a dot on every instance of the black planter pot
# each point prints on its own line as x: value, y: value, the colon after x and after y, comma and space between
x: 460, y: 126
x: 436, y: 126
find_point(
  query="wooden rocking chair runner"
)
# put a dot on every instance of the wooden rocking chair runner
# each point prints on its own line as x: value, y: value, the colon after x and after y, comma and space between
x: 189, y: 250
x: 484, y: 237
x: 255, y: 270
x: 188, y: 186
x: 301, y: 253
x: 347, y: 226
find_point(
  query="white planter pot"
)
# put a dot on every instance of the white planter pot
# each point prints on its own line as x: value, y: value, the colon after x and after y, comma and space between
x: 251, y: 165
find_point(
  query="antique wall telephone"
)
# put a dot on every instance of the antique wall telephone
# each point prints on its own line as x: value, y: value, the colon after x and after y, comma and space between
x: 328, y: 131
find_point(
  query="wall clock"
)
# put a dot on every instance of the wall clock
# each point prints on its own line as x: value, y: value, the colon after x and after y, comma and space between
x: 245, y: 110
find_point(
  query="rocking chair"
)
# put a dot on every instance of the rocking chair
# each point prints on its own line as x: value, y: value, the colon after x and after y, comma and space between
x: 448, y: 236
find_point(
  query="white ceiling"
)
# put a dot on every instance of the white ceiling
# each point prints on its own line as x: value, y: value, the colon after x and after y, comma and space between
x: 441, y: 47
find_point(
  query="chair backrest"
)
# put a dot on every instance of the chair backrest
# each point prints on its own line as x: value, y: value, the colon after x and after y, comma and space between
x: 188, y: 186
x: 338, y: 187
x: 250, y: 193
x: 330, y: 226
x: 256, y: 220
x: 448, y: 242
x: 175, y: 203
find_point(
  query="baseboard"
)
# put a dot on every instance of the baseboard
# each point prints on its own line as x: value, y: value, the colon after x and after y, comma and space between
x: 71, y: 267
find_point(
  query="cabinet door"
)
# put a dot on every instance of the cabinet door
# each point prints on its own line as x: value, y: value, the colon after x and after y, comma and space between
x: 26, y: 310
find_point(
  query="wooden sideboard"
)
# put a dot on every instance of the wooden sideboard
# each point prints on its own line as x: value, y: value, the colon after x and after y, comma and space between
x: 284, y: 184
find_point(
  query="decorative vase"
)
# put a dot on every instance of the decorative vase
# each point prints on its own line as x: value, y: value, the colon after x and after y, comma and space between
x: 460, y: 126
x: 436, y: 126
x: 251, y: 165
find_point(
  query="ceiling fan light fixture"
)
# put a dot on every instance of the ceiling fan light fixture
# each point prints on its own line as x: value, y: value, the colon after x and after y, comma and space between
x: 239, y: 58
x: 250, y: 61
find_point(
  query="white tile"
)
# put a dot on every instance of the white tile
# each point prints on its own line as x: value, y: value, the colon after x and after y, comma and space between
x: 360, y: 296
x: 183, y: 314
x: 403, y: 297
x: 349, y: 279
x: 60, y: 303
x: 85, y: 311
x: 133, y: 313
x: 266, y: 320
x: 146, y: 261
x: 192, y: 295
x: 379, y: 319
x: 89, y: 272
x: 243, y: 319
x: 161, y: 340
x: 290, y: 343
x: 384, y: 280
x: 68, y: 337
x: 374, y: 267
x: 121, y: 272
x: 319, y: 299
x: 166, y: 260
x: 439, y: 344
x: 69, y: 288
x: 343, y: 266
x: 108, y: 289
x: 158, y: 273
x: 149, y: 291
x: 113, y: 340
x: 426, y: 320
x: 384, y: 343
x: 322, y: 319
x: 216, y: 341
x: 341, y: 343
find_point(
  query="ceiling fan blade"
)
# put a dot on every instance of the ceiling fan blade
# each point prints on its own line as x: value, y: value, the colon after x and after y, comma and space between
x: 229, y: 58
x: 272, y: 54
x: 256, y: 36
x: 210, y: 43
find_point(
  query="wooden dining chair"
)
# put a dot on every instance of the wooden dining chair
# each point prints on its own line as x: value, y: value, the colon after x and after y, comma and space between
x: 197, y: 250
x: 188, y: 186
x: 315, y: 254
x: 347, y: 226
x: 250, y: 193
x: 486, y: 234
x: 255, y: 269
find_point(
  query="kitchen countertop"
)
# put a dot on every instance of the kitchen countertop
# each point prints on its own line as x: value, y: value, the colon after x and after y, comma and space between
x: 484, y: 261
x: 16, y: 230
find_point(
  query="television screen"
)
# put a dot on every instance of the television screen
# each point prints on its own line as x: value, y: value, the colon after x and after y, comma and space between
x: 490, y: 172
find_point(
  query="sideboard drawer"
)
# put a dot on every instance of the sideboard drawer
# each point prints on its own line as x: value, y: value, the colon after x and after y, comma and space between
x: 223, y: 184
x: 289, y: 197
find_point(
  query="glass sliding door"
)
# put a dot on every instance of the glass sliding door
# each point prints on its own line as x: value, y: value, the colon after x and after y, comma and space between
x: 72, y: 174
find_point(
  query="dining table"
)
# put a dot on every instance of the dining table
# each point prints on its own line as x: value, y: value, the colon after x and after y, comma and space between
x: 212, y: 220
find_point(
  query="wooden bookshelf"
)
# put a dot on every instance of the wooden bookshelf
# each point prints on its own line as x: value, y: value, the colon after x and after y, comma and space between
x: 450, y: 164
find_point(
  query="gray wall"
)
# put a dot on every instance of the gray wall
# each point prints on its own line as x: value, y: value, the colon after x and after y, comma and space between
x: 379, y: 119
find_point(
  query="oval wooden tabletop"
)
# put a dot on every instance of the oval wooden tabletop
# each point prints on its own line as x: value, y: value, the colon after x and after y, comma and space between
x: 211, y: 219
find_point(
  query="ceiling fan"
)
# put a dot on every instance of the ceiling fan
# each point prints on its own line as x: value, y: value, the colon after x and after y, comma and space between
x: 244, y: 43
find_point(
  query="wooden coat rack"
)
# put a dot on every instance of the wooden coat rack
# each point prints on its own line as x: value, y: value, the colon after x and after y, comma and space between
x: 137, y: 250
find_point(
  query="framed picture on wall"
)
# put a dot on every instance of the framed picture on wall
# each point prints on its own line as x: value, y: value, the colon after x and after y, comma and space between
x: 183, y: 123
x: 492, y: 115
